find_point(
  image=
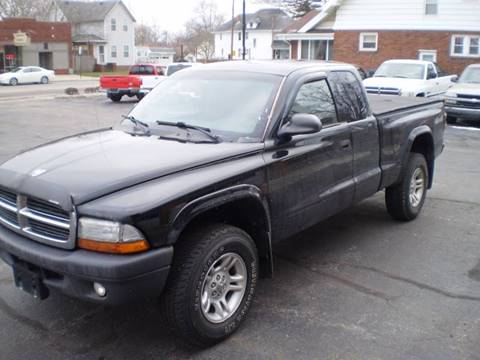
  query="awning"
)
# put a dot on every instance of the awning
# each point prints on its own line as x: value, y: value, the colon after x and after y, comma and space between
x: 305, y: 36
x: 280, y: 45
x: 88, y: 39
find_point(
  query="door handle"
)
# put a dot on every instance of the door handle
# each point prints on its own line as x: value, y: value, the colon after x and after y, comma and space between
x: 345, y: 144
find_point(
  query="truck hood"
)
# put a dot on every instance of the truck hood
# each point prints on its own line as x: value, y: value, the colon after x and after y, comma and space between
x: 87, y: 166
x: 403, y: 84
x: 466, y: 89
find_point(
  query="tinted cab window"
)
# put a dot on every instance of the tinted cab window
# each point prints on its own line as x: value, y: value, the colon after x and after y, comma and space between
x: 315, y: 98
x: 141, y: 70
x: 350, y: 96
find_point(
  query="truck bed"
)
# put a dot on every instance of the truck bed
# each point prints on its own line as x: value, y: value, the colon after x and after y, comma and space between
x: 382, y: 104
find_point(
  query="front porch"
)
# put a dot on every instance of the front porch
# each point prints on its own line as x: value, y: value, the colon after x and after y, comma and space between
x: 309, y: 46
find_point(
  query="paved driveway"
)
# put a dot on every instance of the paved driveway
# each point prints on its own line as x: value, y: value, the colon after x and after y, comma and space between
x: 358, y: 286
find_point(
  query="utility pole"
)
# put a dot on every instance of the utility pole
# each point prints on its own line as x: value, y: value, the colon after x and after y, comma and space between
x: 244, y: 30
x: 233, y: 29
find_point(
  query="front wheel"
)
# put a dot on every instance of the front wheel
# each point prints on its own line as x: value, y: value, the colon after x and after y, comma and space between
x: 13, y: 81
x: 211, y: 284
x: 44, y: 80
x: 405, y: 200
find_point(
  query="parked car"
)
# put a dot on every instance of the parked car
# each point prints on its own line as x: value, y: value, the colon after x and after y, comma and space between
x: 185, y: 199
x: 409, y: 78
x: 27, y: 75
x: 139, y: 75
x: 463, y: 100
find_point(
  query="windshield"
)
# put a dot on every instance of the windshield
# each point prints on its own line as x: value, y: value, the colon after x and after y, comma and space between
x: 232, y: 105
x: 172, y: 69
x: 470, y: 76
x: 16, y: 70
x: 401, y: 70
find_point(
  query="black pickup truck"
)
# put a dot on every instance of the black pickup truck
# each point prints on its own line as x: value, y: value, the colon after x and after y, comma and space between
x: 186, y: 197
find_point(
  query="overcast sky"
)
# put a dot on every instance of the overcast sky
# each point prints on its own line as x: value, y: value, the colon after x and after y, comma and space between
x: 171, y: 15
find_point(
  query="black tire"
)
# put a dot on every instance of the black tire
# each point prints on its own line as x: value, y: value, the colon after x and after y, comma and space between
x: 14, y: 81
x: 140, y: 96
x: 451, y: 120
x: 115, y: 97
x: 398, y: 199
x: 195, y: 254
x: 44, y: 80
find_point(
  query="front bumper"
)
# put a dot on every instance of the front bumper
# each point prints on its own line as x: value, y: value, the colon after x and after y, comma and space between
x: 125, y: 277
x: 463, y: 112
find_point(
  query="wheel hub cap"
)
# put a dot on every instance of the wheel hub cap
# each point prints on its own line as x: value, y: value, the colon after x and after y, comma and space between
x: 417, y: 187
x: 223, y: 288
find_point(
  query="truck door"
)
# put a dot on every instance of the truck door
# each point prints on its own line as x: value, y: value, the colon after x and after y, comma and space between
x: 310, y: 177
x: 353, y: 108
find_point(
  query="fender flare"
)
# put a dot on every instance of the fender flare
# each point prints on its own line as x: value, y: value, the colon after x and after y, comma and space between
x: 199, y: 206
x: 414, y: 134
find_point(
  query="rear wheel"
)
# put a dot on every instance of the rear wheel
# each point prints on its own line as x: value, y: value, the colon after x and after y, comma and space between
x: 44, y: 80
x: 451, y: 120
x: 14, y: 81
x: 405, y: 200
x: 140, y: 96
x: 115, y: 97
x: 211, y: 284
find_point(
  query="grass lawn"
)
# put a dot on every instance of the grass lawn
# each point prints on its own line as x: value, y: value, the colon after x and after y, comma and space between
x: 111, y: 73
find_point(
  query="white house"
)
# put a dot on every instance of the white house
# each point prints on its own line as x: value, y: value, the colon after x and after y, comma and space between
x: 261, y: 29
x: 155, y: 55
x: 103, y: 29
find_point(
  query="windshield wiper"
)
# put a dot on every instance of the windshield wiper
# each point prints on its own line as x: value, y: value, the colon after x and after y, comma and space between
x: 138, y: 123
x: 202, y: 130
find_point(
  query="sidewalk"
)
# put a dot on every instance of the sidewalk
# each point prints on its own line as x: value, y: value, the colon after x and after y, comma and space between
x: 74, y: 77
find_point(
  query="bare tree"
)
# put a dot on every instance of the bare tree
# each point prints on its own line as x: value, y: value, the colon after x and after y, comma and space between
x: 147, y: 35
x: 24, y: 8
x: 198, y: 37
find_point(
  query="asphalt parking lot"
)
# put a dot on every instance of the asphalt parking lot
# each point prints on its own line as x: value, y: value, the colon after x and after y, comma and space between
x: 358, y: 286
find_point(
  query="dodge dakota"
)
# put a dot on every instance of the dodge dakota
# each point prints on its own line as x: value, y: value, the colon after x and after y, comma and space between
x: 186, y: 197
x: 409, y: 78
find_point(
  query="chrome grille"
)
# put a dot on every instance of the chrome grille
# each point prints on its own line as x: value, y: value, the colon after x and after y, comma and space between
x: 382, y: 90
x: 37, y: 219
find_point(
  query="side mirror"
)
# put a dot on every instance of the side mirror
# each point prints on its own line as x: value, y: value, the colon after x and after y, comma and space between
x: 454, y: 78
x: 370, y: 73
x: 299, y: 124
x: 431, y: 76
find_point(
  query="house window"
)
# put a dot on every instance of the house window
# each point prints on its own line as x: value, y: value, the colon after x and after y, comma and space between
x: 254, y: 43
x: 221, y: 36
x: 222, y: 53
x: 126, y: 51
x: 113, y: 24
x: 113, y: 52
x: 125, y: 26
x: 465, y: 46
x: 431, y: 7
x: 427, y: 55
x: 246, y: 36
x: 368, y: 42
x: 239, y: 36
x: 101, y: 51
x: 316, y: 50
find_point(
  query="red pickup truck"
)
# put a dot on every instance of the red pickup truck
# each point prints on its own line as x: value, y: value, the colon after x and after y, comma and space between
x: 131, y: 84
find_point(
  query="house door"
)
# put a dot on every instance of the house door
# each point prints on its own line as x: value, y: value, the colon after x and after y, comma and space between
x: 101, y: 52
x: 45, y: 59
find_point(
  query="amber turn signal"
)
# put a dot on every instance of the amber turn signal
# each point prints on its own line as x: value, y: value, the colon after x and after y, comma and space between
x: 131, y: 247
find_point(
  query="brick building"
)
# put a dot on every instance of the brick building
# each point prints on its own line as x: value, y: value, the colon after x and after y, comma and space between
x: 27, y: 42
x: 369, y: 32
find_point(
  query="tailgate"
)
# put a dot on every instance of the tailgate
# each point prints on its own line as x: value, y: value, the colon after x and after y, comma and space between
x: 120, y: 82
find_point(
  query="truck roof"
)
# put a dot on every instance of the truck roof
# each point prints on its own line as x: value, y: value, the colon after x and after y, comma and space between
x: 277, y: 67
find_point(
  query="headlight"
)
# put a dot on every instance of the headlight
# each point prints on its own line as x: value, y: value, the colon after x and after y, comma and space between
x: 110, y: 237
x: 407, y: 93
x: 451, y: 98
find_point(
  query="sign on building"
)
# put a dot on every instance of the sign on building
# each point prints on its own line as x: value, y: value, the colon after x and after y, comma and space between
x: 21, y: 39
